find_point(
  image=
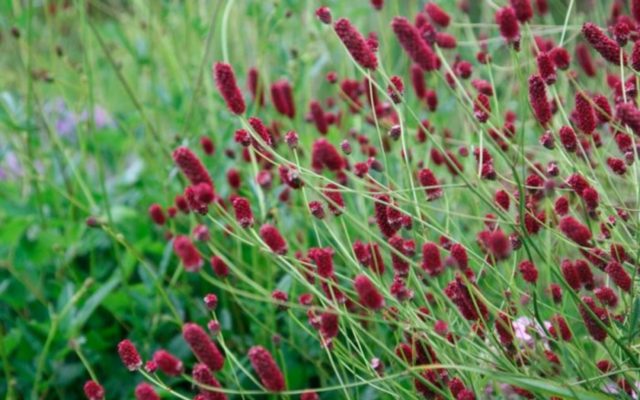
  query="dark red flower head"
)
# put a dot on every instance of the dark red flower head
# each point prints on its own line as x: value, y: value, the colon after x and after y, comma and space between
x: 578, y: 183
x: 323, y: 259
x: 529, y: 271
x: 129, y: 355
x: 258, y: 127
x: 431, y: 261
x: 242, y: 209
x: 606, y: 296
x: 362, y: 253
x: 325, y: 155
x: 502, y: 199
x: 559, y: 328
x: 377, y: 4
x: 504, y: 328
x: 538, y: 99
x: 508, y: 24
x: 417, y: 79
x: 635, y: 56
x: 204, y: 349
x: 583, y: 272
x: 561, y: 58
x: 267, y: 369
x: 395, y: 90
x: 167, y: 363
x: 317, y: 209
x: 594, y: 324
x: 199, y: 197
x: 602, y: 108
x: 203, y: 376
x: 546, y: 68
x: 619, y: 276
x: 381, y: 208
x: 617, y: 165
x: 574, y: 230
x: 523, y: 9
x: 482, y: 108
x: 318, y: 116
x: 255, y: 86
x: 228, y: 88
x: 459, y: 256
x: 157, y: 214
x: 584, y: 59
x: 93, y: 390
x: 187, y: 253
x: 282, y: 97
x: 430, y: 183
x: 219, y: 267
x: 272, y: 237
x: 191, y: 166
x: 417, y: 49
x: 309, y: 395
x: 568, y: 139
x: 471, y: 307
x: 437, y: 14
x: 355, y: 44
x: 144, y: 391
x: 629, y: 115
x: 607, y: 47
x: 368, y: 294
x: 207, y: 145
x: 556, y: 293
x: 399, y: 264
x: 329, y: 325
x: 324, y: 15
x: 585, y: 115
x: 334, y: 198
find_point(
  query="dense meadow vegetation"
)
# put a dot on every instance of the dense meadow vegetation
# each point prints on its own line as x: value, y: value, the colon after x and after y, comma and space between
x: 306, y: 199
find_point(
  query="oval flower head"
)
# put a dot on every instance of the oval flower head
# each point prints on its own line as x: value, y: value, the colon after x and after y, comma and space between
x: 187, y: 253
x: 242, y: 209
x: 324, y: 15
x: 431, y: 184
x: 355, y: 44
x: 592, y: 324
x: 368, y: 294
x: 144, y: 391
x: 576, y: 231
x: 203, y: 376
x: 508, y: 24
x: 538, y: 99
x: 129, y: 355
x: 411, y: 41
x: 191, y: 166
x: 437, y: 14
x: 267, y: 369
x: 529, y: 271
x: 228, y: 88
x: 273, y: 239
x: 204, y: 349
x: 603, y: 44
x: 93, y: 390
x: 334, y: 198
x: 167, y: 363
x: 157, y: 214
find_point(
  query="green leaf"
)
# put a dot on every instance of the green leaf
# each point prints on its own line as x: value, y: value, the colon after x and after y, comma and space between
x: 11, y: 340
x: 634, y: 317
x: 94, y: 301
